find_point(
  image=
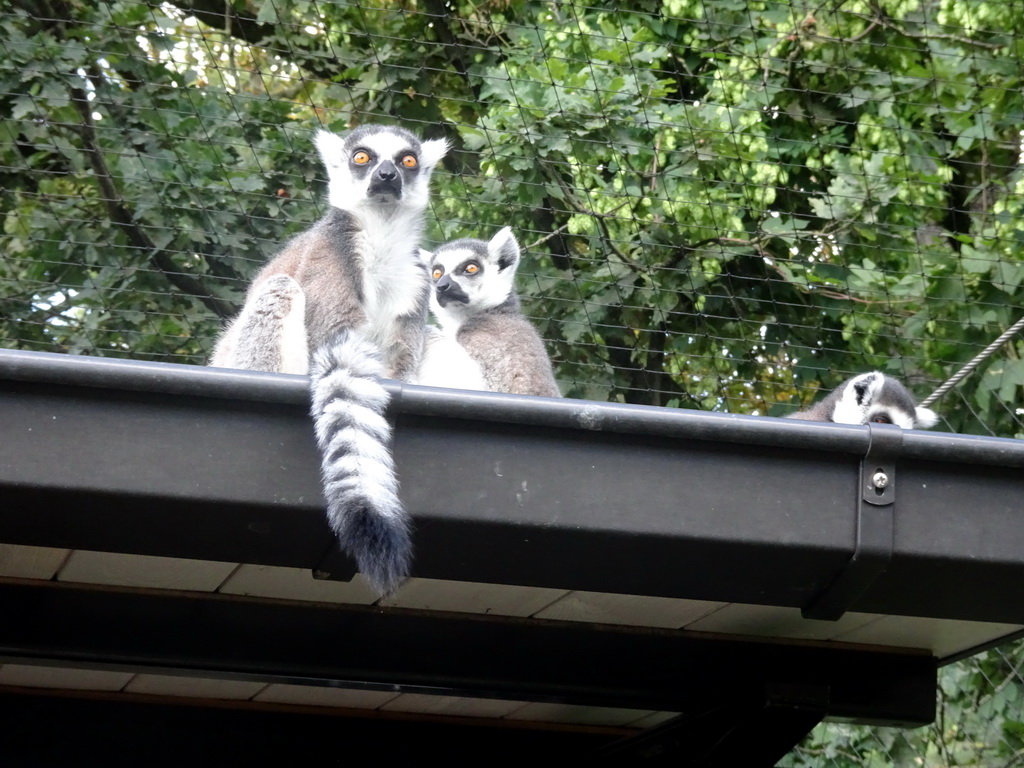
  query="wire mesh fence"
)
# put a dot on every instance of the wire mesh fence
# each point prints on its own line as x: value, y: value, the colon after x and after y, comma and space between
x: 723, y: 205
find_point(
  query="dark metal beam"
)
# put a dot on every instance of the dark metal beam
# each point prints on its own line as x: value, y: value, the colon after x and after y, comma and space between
x: 212, y: 464
x: 755, y: 730
x: 46, y: 730
x: 448, y: 654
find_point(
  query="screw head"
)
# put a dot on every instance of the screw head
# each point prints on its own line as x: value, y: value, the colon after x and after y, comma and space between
x: 880, y: 480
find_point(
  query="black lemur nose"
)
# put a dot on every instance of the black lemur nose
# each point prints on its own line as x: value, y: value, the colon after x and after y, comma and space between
x: 387, y: 171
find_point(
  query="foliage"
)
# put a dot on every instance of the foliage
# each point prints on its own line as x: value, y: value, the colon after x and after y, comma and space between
x: 725, y: 204
x: 980, y: 722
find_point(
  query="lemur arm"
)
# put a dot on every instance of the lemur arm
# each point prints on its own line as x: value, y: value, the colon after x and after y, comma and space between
x: 269, y: 333
x: 405, y: 353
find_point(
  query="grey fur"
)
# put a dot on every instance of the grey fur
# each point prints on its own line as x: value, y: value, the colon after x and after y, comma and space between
x: 870, y: 397
x: 509, y: 351
x: 268, y: 333
x: 363, y: 508
x: 482, y: 313
x: 365, y: 292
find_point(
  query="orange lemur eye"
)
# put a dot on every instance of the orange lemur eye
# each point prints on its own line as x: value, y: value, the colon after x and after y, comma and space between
x: 409, y: 161
x: 361, y: 158
x: 471, y: 269
x: 436, y: 274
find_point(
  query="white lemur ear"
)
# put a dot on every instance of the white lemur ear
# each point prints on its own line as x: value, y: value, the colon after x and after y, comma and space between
x: 432, y: 152
x: 503, y: 249
x: 332, y: 151
x: 925, y: 418
x: 426, y: 256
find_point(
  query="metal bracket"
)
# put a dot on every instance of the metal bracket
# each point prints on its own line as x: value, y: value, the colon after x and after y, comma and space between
x: 876, y: 512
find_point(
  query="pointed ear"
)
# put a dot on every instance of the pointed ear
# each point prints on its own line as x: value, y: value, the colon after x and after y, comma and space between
x: 432, y: 152
x: 925, y: 418
x: 863, y: 386
x: 503, y: 249
x: 426, y: 256
x: 332, y: 150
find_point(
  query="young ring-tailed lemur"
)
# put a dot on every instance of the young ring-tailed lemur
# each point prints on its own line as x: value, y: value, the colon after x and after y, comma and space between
x: 870, y: 398
x: 485, y: 341
x: 354, y: 292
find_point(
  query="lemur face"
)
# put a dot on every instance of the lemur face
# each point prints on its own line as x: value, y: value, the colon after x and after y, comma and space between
x: 879, y: 399
x: 473, y: 275
x: 386, y: 162
x: 458, y: 271
x: 379, y: 165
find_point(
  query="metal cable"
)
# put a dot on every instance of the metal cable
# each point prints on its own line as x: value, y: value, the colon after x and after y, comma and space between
x: 979, y: 358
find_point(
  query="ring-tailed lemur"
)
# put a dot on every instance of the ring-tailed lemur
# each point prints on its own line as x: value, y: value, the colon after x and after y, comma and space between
x: 353, y: 291
x: 485, y: 342
x: 870, y: 397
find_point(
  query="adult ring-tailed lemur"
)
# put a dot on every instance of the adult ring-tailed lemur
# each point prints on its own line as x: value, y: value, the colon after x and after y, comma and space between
x: 870, y: 398
x: 347, y: 300
x: 485, y: 341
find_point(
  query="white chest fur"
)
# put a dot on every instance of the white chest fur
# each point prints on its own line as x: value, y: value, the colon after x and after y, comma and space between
x: 447, y: 364
x: 394, y: 278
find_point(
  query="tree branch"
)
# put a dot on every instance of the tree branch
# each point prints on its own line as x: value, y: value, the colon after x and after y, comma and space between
x: 123, y: 218
x: 246, y: 28
x: 939, y: 36
x: 220, y: 15
x: 545, y: 238
x: 438, y: 10
x: 600, y: 218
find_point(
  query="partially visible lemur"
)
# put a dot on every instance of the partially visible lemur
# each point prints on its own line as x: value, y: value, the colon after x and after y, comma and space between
x: 353, y: 290
x: 870, y: 398
x: 485, y: 341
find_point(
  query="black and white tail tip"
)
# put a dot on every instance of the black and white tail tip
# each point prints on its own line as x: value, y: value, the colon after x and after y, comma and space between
x: 363, y: 508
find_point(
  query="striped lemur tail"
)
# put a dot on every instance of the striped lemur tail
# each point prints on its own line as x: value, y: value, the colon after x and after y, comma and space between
x: 363, y: 508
